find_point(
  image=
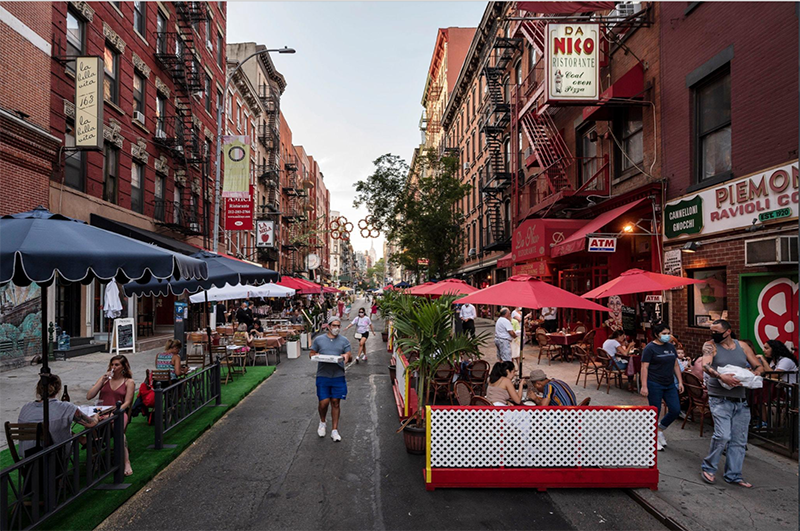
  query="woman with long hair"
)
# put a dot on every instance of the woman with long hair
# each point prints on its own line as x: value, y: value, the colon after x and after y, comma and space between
x: 114, y: 386
x: 500, y: 390
x: 782, y: 360
x: 170, y: 359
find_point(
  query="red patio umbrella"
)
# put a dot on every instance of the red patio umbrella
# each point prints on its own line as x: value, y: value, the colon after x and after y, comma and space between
x: 451, y: 286
x: 303, y: 286
x: 328, y: 289
x: 414, y: 290
x: 638, y: 281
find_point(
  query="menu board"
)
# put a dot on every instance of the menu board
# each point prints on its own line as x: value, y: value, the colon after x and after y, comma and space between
x: 124, y: 335
x: 629, y: 319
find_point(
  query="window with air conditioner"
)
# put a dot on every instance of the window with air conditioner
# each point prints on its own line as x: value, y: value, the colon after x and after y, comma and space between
x: 771, y: 251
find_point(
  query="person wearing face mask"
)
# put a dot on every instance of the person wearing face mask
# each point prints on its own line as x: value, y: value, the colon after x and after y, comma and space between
x: 331, y: 383
x: 659, y: 369
x: 729, y: 407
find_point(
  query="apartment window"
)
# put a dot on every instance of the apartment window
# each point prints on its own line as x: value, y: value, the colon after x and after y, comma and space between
x: 209, y: 43
x: 111, y: 72
x: 161, y: 106
x: 238, y: 117
x: 531, y: 58
x: 158, y: 213
x: 75, y: 161
x: 161, y: 29
x: 632, y: 139
x: 474, y: 104
x: 473, y: 145
x: 713, y: 126
x: 137, y: 187
x: 139, y: 17
x: 588, y: 153
x: 518, y: 73
x: 110, y: 173
x: 466, y: 151
x: 177, y: 199
x: 229, y: 107
x: 506, y: 89
x: 708, y: 301
x: 208, y: 94
x: 138, y: 95
x: 507, y: 158
x: 76, y: 30
x: 220, y: 51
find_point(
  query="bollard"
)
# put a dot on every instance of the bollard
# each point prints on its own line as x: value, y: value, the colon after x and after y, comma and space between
x: 159, y: 416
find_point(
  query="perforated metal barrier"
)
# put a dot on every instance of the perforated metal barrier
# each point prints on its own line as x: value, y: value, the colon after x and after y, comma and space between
x: 541, y: 447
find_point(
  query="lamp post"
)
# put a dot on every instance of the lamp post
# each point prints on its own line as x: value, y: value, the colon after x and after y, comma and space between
x: 220, y: 114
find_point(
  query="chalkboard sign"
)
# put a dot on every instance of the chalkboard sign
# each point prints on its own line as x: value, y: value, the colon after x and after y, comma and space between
x: 124, y: 335
x: 629, y: 320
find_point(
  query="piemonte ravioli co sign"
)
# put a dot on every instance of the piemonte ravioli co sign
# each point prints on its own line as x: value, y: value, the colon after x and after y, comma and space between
x: 735, y: 204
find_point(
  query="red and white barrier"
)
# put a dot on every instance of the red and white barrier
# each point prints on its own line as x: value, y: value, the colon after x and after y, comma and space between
x: 541, y: 447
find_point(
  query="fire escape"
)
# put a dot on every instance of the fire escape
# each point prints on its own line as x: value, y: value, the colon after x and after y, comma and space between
x: 269, y: 136
x: 176, y: 53
x: 291, y: 213
x: 497, y: 118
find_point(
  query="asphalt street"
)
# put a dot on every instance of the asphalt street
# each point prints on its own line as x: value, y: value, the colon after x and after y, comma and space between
x: 263, y: 466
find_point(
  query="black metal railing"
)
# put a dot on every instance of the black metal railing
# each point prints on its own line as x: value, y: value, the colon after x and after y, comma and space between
x: 774, y: 413
x: 176, y: 215
x: 180, y: 400
x: 40, y: 485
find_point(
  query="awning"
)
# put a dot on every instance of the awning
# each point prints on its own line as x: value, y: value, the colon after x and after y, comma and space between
x: 142, y: 235
x: 505, y: 261
x: 577, y: 242
x: 630, y: 85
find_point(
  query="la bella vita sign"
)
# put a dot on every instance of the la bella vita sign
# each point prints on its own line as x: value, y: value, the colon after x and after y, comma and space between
x: 88, y: 103
x: 572, y: 62
x: 734, y: 204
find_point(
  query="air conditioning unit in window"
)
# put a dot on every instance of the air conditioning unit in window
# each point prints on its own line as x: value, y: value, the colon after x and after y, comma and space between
x: 138, y: 116
x: 466, y: 166
x: 623, y: 10
x: 771, y: 251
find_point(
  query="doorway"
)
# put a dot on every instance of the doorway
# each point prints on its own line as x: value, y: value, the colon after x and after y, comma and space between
x: 68, y: 308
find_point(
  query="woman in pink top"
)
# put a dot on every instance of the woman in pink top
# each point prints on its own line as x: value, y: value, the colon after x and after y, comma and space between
x: 116, y: 386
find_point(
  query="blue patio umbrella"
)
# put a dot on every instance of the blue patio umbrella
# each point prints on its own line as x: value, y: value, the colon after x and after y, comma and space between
x: 39, y: 246
x: 402, y: 284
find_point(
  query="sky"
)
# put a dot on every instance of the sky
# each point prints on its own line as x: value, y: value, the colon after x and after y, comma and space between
x: 354, y: 87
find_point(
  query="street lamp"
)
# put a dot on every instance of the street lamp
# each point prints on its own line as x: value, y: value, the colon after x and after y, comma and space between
x: 220, y: 114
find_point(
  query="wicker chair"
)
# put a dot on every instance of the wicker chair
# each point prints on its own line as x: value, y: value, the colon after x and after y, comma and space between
x: 698, y: 399
x: 478, y: 371
x: 588, y: 365
x: 463, y: 392
x: 479, y: 401
x: 442, y: 380
x: 546, y: 348
x: 606, y: 370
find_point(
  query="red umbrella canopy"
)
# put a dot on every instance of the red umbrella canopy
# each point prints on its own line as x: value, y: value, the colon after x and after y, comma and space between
x: 529, y: 292
x: 414, y: 290
x: 450, y: 286
x: 638, y: 281
x: 303, y: 287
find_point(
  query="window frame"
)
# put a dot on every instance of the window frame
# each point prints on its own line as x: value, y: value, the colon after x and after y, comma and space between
x: 80, y: 183
x: 620, y: 172
x: 113, y: 75
x: 108, y: 175
x: 161, y: 28
x: 70, y: 65
x: 697, y: 135
x: 580, y: 134
x: 690, y: 296
x: 207, y: 93
x: 139, y: 104
x: 137, y: 192
x: 160, y: 184
x: 140, y: 17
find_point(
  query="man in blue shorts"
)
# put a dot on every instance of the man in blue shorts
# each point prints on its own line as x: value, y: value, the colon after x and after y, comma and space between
x: 331, y: 384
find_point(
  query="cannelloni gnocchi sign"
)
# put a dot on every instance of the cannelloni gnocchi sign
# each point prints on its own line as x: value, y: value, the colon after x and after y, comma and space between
x: 572, y: 62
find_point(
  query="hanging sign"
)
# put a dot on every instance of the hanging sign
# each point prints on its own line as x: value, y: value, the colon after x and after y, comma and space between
x: 602, y: 245
x: 239, y: 213
x: 88, y: 103
x: 423, y: 261
x: 673, y: 262
x: 653, y: 298
x: 265, y: 234
x: 572, y: 69
x: 236, y: 156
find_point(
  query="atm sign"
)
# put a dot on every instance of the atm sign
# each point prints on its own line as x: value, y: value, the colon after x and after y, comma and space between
x: 602, y: 245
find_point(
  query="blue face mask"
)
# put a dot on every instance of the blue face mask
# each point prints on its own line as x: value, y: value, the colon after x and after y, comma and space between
x: 665, y: 338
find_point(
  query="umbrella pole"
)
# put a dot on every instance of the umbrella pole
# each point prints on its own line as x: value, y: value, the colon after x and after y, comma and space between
x: 208, y: 327
x: 44, y: 376
x: 521, y: 348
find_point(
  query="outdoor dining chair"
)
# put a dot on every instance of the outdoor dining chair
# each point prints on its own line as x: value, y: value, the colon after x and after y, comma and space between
x: 463, y: 392
x: 479, y: 401
x: 606, y: 372
x: 195, y: 359
x: 587, y: 342
x: 546, y: 348
x: 478, y: 372
x: 16, y: 433
x: 442, y: 380
x: 586, y: 401
x: 580, y: 328
x: 588, y: 365
x: 698, y: 399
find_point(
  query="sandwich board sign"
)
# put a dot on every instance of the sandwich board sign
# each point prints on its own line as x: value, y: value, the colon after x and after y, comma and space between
x: 123, y: 335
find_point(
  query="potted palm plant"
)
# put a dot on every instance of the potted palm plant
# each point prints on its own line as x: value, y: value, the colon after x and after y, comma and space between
x: 425, y: 327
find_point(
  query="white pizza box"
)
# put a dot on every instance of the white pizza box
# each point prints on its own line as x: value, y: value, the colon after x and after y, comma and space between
x: 326, y: 358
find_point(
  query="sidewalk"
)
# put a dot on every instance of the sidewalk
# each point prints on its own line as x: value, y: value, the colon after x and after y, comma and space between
x: 18, y: 386
x: 682, y: 495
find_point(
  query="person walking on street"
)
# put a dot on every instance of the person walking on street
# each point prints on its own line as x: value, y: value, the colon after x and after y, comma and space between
x: 331, y: 383
x: 503, y: 335
x: 660, y: 367
x: 729, y: 407
x: 363, y: 326
x: 549, y: 317
x: 468, y: 315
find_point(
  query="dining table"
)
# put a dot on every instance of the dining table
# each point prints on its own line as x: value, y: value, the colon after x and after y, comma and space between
x: 565, y: 341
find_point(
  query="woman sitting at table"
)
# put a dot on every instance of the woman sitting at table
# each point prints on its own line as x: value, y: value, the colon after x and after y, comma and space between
x: 241, y: 337
x: 117, y: 386
x: 500, y: 390
x: 614, y: 347
x: 170, y: 359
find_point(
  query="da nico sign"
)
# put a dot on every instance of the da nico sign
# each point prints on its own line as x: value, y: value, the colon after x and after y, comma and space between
x: 572, y: 65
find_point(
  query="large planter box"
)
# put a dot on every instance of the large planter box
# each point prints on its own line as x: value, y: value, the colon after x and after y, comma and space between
x: 292, y: 349
x: 304, y: 341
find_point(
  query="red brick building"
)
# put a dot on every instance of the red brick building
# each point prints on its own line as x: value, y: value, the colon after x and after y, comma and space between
x: 729, y: 156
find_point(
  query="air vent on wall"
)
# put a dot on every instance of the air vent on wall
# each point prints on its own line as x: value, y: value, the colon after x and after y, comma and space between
x: 770, y: 251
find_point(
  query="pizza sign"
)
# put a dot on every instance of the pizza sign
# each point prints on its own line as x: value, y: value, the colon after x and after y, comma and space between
x: 265, y: 234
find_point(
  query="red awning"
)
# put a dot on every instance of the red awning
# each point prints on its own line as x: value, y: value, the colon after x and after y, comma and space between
x: 577, y: 242
x: 630, y: 85
x: 505, y: 261
x: 303, y: 286
x: 564, y: 8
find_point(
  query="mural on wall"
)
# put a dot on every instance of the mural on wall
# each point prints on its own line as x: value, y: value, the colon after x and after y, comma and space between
x: 769, y: 309
x: 20, y: 321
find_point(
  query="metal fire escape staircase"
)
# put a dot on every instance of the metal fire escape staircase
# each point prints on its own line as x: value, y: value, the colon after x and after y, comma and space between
x: 290, y: 211
x: 177, y: 54
x: 497, y: 118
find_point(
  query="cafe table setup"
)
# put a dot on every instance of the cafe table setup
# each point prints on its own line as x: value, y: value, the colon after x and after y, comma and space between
x: 565, y: 340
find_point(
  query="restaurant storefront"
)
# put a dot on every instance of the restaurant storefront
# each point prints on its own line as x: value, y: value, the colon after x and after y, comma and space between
x: 741, y: 238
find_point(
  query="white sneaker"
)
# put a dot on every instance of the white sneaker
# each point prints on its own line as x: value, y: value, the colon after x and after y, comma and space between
x: 335, y: 436
x: 662, y: 441
x: 321, y: 429
x: 659, y: 446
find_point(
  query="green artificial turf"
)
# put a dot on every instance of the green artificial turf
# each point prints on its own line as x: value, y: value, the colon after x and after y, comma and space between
x: 93, y: 507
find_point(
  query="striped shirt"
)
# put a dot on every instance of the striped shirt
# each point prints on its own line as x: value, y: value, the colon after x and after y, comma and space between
x: 560, y: 394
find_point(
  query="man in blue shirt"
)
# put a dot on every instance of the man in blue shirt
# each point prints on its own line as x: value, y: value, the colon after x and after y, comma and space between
x: 331, y: 383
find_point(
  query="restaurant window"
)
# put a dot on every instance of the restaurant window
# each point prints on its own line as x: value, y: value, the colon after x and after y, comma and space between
x: 76, y: 29
x: 75, y: 161
x: 111, y: 75
x: 161, y: 107
x: 139, y: 17
x: 161, y: 29
x: 110, y: 173
x: 587, y: 153
x: 137, y: 187
x: 713, y: 126
x: 631, y: 137
x: 708, y: 300
x: 138, y: 95
x: 158, y: 212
